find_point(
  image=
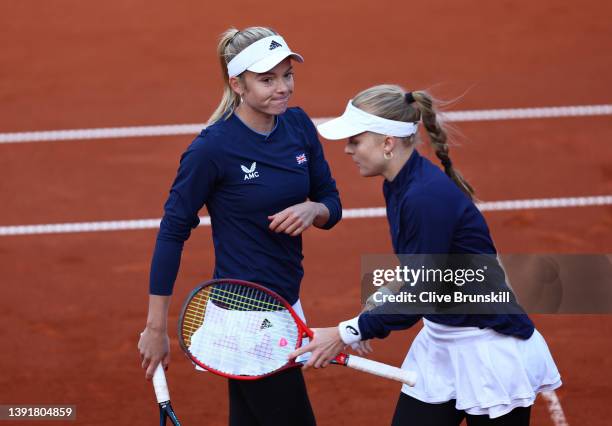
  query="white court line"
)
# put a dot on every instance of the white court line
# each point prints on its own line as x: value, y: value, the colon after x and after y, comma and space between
x: 360, y: 213
x: 193, y: 129
x: 554, y: 408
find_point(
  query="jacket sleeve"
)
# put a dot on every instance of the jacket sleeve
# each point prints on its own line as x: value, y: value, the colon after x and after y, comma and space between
x: 379, y: 325
x: 197, y: 175
x: 322, y: 184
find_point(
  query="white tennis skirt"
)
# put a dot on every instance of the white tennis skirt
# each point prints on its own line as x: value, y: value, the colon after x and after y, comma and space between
x: 486, y: 372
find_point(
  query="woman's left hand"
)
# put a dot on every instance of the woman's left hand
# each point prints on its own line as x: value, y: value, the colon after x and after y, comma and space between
x: 325, y: 345
x: 362, y: 348
x: 296, y: 219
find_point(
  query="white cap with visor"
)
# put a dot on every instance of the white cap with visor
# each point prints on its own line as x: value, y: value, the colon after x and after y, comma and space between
x: 261, y: 56
x: 355, y: 121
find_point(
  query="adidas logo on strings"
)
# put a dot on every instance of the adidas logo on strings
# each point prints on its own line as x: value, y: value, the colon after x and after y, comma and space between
x: 274, y: 45
x: 265, y: 324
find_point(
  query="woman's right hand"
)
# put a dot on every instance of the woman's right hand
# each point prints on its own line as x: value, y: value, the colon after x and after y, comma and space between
x: 154, y: 347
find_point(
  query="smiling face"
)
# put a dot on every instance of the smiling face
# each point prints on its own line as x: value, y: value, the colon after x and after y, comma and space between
x: 367, y: 151
x: 267, y: 93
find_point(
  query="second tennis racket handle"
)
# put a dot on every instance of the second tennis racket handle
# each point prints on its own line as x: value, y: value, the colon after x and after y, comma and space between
x: 383, y: 370
x: 160, y: 385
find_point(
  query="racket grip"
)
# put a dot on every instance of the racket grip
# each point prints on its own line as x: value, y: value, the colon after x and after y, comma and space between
x: 383, y: 370
x: 160, y: 385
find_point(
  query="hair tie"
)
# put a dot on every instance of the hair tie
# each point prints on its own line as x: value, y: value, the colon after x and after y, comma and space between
x: 447, y: 163
x: 409, y: 98
x: 233, y: 37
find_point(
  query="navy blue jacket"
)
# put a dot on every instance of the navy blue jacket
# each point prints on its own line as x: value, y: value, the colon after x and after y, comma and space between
x: 243, y: 177
x: 429, y: 214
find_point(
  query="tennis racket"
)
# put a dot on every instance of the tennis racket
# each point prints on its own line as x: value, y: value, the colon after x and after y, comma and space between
x: 163, y: 397
x: 242, y: 330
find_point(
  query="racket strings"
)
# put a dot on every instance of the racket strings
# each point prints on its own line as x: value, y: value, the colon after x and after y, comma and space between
x: 194, y: 316
x: 240, y: 329
x: 254, y: 300
x: 247, y: 299
x: 239, y: 344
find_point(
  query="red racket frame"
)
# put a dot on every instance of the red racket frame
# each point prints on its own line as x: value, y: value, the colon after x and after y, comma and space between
x: 303, y: 330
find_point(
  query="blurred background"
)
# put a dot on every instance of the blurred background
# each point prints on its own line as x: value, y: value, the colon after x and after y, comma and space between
x: 74, y: 303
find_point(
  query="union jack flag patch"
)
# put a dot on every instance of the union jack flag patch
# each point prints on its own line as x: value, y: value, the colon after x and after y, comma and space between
x: 301, y: 158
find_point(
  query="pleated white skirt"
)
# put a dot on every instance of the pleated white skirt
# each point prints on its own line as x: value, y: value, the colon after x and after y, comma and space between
x: 486, y: 372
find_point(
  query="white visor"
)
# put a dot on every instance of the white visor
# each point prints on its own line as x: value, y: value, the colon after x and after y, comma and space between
x: 355, y: 121
x: 261, y: 56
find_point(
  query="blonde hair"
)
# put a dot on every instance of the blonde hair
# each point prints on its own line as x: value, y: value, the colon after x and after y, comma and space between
x: 231, y: 43
x: 389, y: 101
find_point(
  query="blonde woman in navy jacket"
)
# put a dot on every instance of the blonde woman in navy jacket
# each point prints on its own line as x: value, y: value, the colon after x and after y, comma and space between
x: 486, y: 369
x: 259, y: 169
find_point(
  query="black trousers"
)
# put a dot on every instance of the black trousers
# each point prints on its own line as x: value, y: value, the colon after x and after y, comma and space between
x: 410, y: 411
x: 278, y: 400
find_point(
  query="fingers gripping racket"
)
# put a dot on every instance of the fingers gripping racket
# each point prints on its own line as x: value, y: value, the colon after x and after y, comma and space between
x: 163, y: 397
x: 242, y: 330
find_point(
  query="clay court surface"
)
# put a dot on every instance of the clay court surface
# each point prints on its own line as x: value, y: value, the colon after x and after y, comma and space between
x: 73, y: 305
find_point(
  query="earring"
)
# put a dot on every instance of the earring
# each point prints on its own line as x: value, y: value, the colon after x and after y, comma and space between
x: 388, y: 155
x: 241, y: 100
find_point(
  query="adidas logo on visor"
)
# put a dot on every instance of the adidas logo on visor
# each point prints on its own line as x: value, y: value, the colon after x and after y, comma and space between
x: 274, y: 45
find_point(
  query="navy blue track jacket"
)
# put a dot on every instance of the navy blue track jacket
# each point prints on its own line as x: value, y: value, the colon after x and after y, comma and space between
x: 429, y: 214
x: 243, y: 177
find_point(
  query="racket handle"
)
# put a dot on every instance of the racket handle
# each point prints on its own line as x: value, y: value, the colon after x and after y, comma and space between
x: 380, y: 369
x: 160, y: 385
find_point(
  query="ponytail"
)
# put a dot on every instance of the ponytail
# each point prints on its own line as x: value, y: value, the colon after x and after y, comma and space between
x: 439, y: 140
x: 230, y: 99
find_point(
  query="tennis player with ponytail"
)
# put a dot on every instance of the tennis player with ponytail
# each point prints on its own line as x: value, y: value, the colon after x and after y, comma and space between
x: 259, y: 169
x: 486, y: 369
